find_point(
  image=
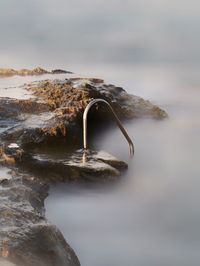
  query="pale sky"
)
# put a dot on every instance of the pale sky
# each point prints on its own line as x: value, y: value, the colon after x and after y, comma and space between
x: 106, y: 31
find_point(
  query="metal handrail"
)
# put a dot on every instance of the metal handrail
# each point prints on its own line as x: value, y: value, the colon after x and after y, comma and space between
x: 131, y: 146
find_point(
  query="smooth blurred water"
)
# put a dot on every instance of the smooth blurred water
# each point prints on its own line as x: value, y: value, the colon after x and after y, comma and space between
x: 152, y: 216
x: 151, y: 48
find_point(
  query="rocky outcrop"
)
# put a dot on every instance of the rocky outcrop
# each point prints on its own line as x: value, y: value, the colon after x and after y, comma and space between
x: 81, y: 165
x: 7, y: 72
x: 26, y: 237
x: 55, y: 114
x: 51, y: 118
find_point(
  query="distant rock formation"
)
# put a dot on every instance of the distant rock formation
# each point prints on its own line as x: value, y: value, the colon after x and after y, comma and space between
x: 6, y: 72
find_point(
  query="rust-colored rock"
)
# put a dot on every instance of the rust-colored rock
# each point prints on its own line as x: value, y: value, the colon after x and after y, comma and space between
x: 7, y: 72
x: 29, y: 129
x: 55, y: 113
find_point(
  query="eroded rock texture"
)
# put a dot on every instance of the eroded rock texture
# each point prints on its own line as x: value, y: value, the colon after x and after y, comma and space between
x: 55, y: 114
x: 26, y: 237
x: 29, y: 131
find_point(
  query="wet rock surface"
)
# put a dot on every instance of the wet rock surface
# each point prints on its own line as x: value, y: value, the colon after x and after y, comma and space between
x: 55, y: 113
x: 3, y: 262
x: 52, y: 117
x: 26, y: 237
x: 82, y: 165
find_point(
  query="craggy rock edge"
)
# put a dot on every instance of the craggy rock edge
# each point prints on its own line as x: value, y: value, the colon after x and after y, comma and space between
x: 53, y: 116
x: 26, y: 237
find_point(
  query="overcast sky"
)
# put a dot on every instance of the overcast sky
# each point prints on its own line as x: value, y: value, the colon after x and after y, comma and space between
x: 98, y: 31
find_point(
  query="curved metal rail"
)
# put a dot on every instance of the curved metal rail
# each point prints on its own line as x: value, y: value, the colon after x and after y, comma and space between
x: 131, y: 146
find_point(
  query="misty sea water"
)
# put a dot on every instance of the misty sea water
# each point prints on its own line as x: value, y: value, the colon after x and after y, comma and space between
x: 151, y: 217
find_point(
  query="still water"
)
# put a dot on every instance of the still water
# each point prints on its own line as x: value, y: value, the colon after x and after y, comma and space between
x: 152, y: 216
